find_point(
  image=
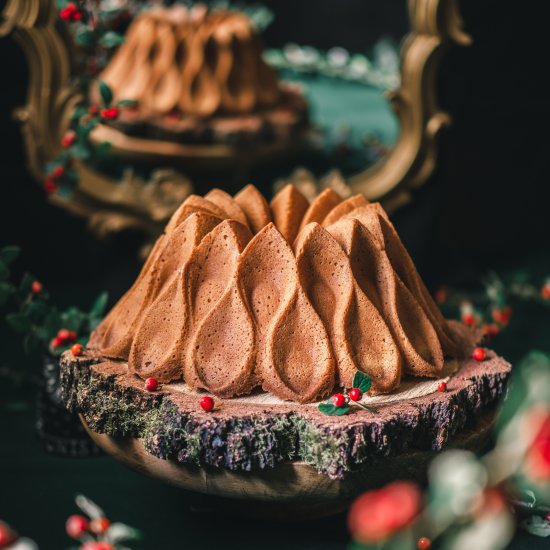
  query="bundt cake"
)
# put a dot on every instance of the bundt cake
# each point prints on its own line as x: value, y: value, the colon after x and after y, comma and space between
x: 198, y: 77
x: 290, y: 297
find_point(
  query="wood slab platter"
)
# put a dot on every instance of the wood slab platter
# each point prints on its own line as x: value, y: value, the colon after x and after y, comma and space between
x: 279, y: 459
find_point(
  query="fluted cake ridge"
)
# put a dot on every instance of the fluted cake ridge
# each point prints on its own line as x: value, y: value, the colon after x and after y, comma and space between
x: 290, y: 297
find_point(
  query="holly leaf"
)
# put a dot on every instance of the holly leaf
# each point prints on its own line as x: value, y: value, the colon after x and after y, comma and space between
x: 18, y: 322
x: 111, y: 39
x: 6, y: 290
x: 80, y: 152
x: 85, y: 38
x: 331, y: 410
x: 8, y: 254
x: 536, y: 526
x: 106, y: 93
x: 362, y: 381
x: 126, y: 103
x: 119, y: 532
x: 26, y: 284
x: 30, y: 342
x: 98, y: 307
x: 90, y: 508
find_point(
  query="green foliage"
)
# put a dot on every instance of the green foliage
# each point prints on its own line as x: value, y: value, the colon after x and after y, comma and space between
x: 331, y: 410
x: 111, y: 39
x: 362, y: 381
x: 106, y: 93
x: 35, y: 319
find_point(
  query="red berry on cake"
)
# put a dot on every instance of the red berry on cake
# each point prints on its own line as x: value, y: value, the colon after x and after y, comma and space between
x: 36, y: 287
x: 207, y: 403
x: 424, y: 543
x: 68, y: 139
x: 99, y: 525
x: 151, y: 384
x: 479, y: 354
x: 76, y: 350
x: 355, y: 394
x: 339, y: 400
x: 442, y: 387
x: 76, y: 526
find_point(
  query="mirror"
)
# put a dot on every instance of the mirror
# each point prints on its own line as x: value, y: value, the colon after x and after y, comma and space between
x: 367, y: 70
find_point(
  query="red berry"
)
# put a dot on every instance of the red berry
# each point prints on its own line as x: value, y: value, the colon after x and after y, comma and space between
x: 94, y: 545
x: 63, y: 334
x: 355, y: 394
x: 441, y: 295
x: 339, y: 400
x: 76, y: 350
x: 547, y: 518
x: 71, y: 335
x: 479, y: 354
x: 76, y: 526
x: 68, y: 139
x: 110, y: 114
x: 58, y: 172
x: 77, y: 16
x: 503, y: 315
x: 442, y: 387
x: 7, y: 536
x: 151, y: 384
x: 56, y: 342
x: 423, y: 543
x: 469, y: 319
x: 36, y: 287
x: 99, y: 526
x: 545, y: 291
x: 49, y: 185
x: 207, y: 403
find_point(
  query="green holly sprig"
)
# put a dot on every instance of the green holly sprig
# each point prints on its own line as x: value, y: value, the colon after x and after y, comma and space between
x: 32, y: 315
x: 61, y: 176
x: 341, y: 403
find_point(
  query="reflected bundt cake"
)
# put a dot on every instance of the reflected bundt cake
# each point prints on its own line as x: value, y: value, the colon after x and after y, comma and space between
x: 198, y: 77
x: 289, y: 297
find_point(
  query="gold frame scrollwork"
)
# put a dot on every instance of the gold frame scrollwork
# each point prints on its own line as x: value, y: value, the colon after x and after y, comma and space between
x: 435, y: 24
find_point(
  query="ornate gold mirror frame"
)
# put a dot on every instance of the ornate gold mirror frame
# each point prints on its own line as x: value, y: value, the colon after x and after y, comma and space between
x: 111, y: 206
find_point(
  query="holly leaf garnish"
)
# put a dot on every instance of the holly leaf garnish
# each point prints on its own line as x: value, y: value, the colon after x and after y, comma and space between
x: 362, y: 381
x: 331, y: 410
x: 106, y: 93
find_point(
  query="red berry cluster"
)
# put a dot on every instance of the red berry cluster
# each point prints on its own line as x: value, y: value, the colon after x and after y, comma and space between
x: 340, y: 400
x: 50, y: 182
x: 71, y: 13
x: 78, y: 527
x: 63, y: 337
